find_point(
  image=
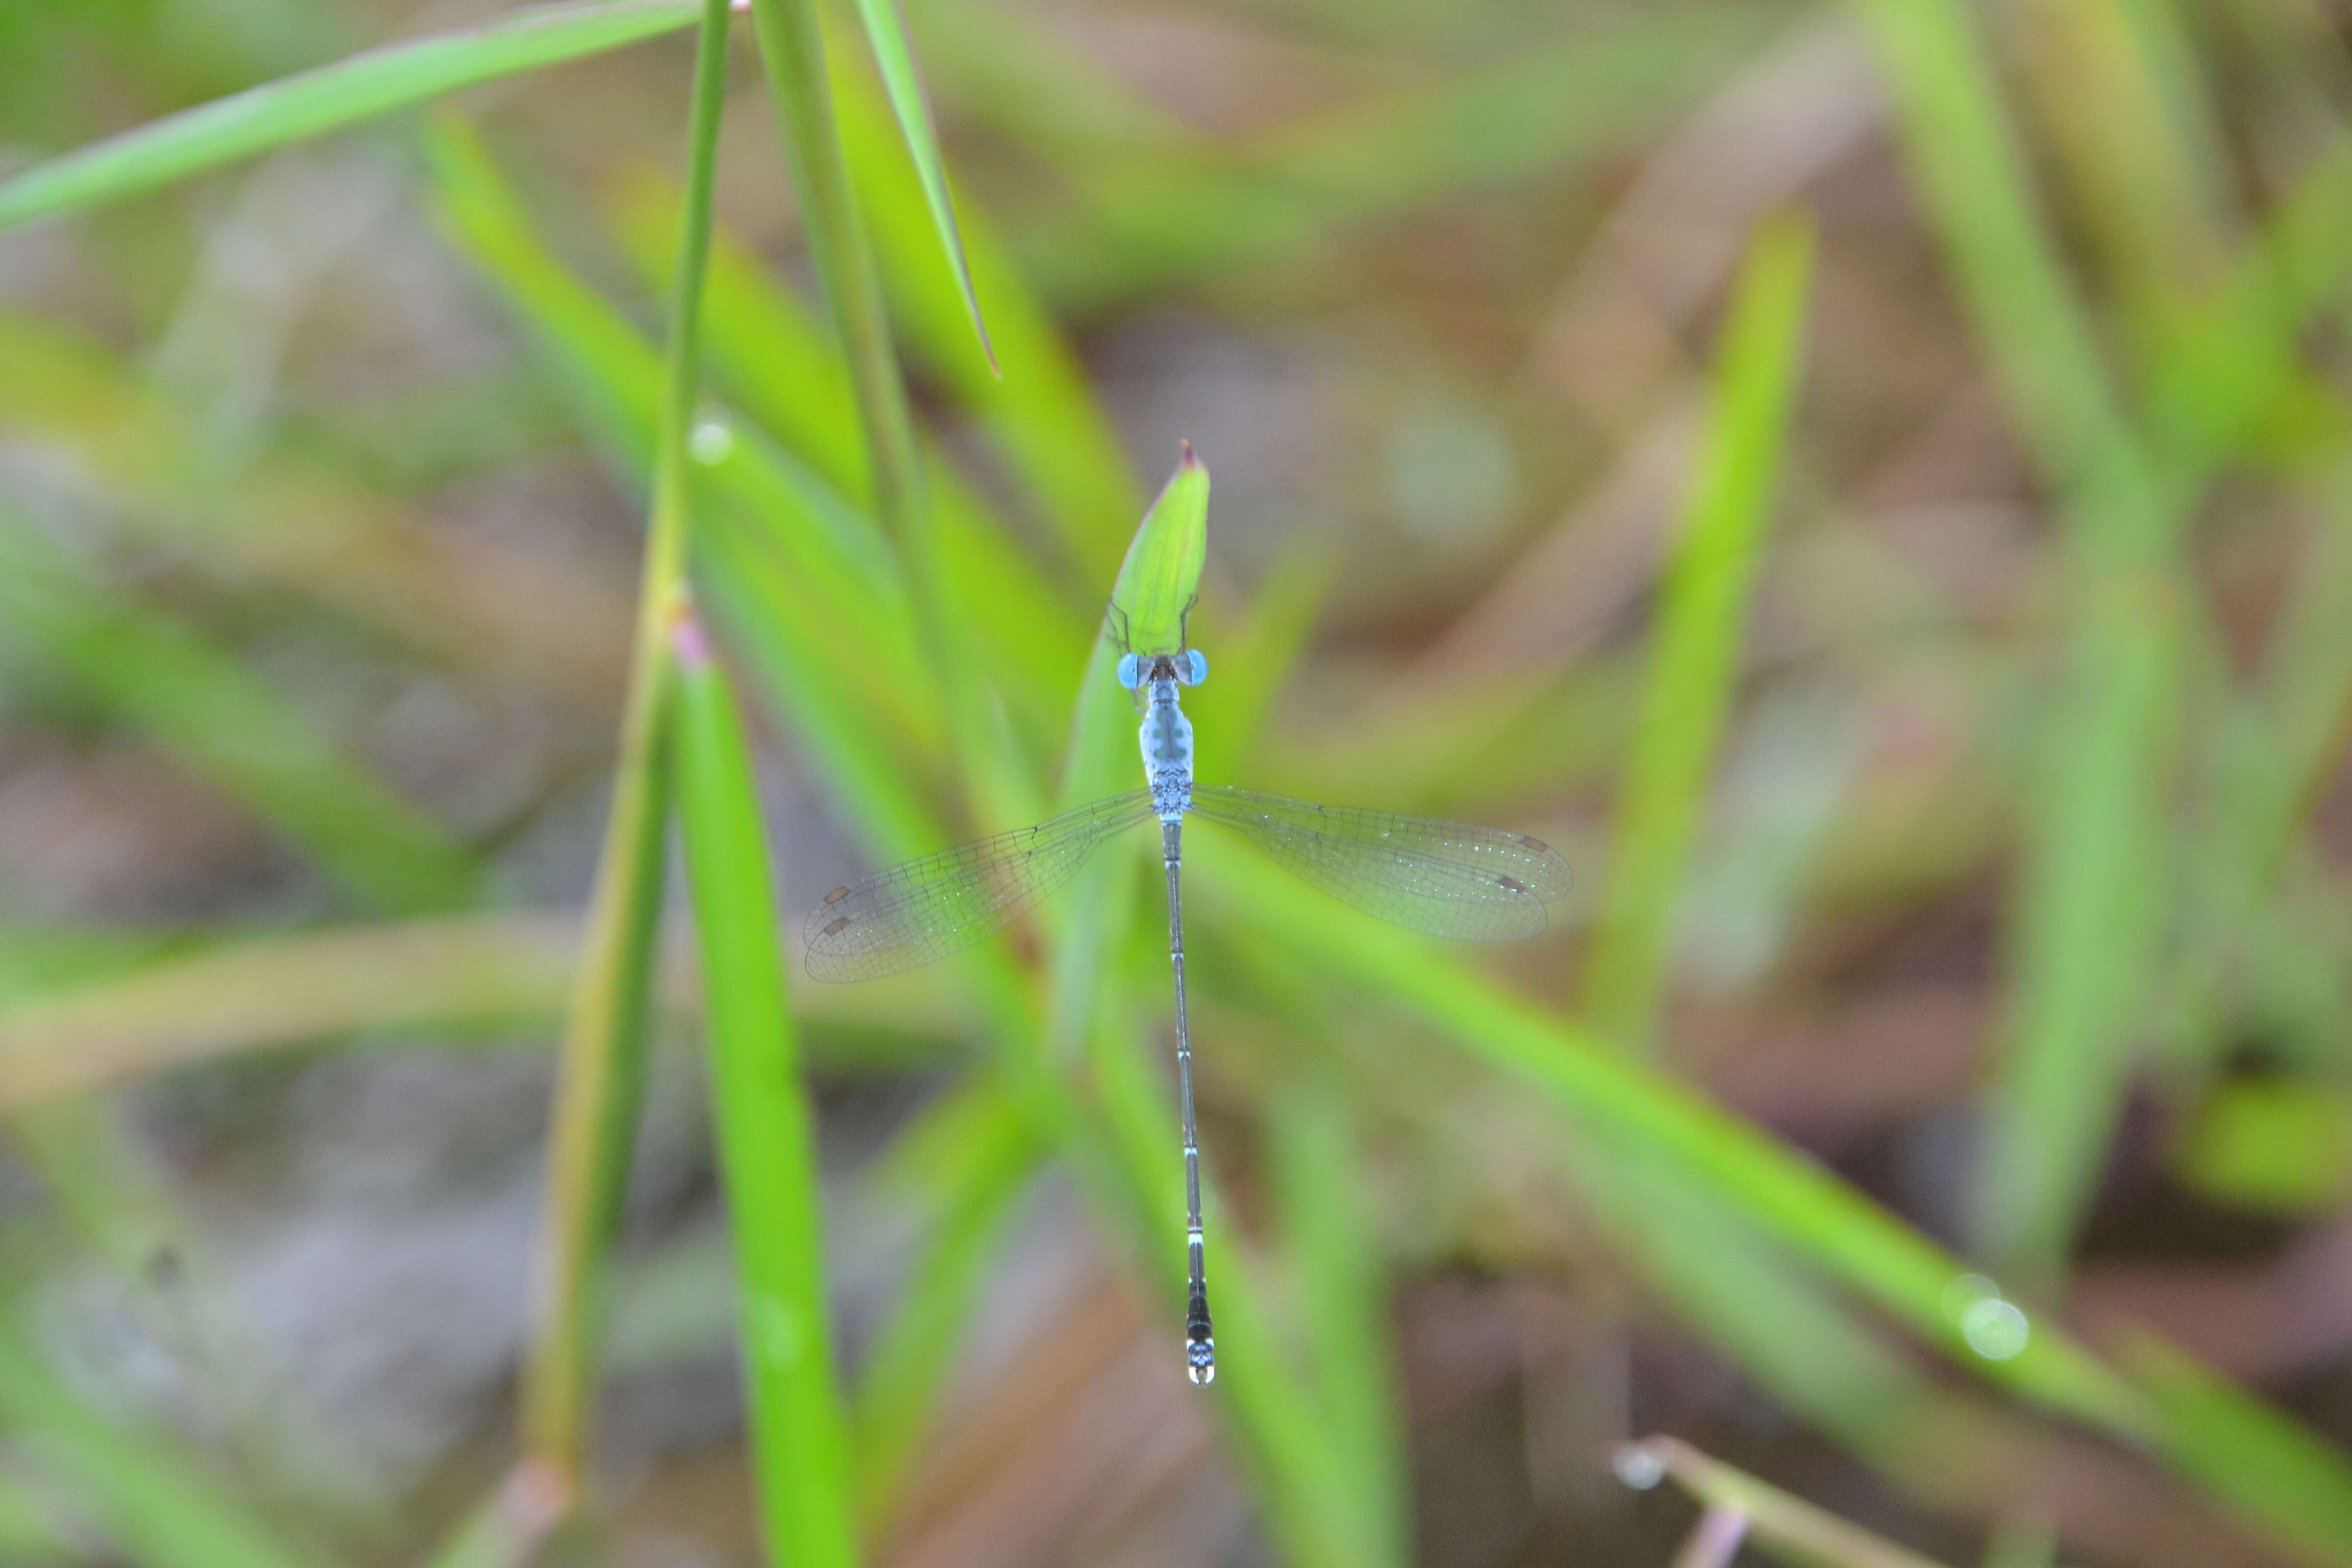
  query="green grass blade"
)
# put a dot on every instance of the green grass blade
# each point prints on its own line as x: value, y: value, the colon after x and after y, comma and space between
x: 1339, y: 1279
x: 785, y: 372
x: 1256, y: 657
x: 2268, y: 1467
x: 161, y: 678
x: 600, y: 1081
x: 1160, y: 577
x: 973, y: 1155
x: 1734, y: 1168
x: 2264, y: 769
x: 803, y: 579
x: 885, y: 35
x: 311, y: 102
x: 766, y: 1143
x: 791, y: 47
x: 830, y: 568
x: 775, y: 358
x: 1781, y: 1193
x: 1699, y: 630
x: 2236, y: 359
x: 2089, y: 904
x: 1034, y: 402
x: 1973, y: 176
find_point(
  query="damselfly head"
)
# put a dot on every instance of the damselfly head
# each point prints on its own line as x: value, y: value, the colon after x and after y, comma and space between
x: 1189, y: 667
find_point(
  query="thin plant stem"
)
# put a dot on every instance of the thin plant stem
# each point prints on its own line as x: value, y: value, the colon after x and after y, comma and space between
x: 602, y: 1070
x: 1740, y: 1506
x: 791, y: 46
x: 1715, y: 1539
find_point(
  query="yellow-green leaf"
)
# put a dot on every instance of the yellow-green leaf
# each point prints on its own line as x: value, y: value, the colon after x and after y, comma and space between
x: 1161, y: 575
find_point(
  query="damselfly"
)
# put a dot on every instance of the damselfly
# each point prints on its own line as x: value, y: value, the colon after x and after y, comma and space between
x: 1445, y: 877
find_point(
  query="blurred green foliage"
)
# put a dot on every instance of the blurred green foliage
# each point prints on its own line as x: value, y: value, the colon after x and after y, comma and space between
x: 1588, y: 557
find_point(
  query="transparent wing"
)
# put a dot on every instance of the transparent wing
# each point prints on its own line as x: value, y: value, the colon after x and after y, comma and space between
x: 925, y: 909
x: 1449, y: 878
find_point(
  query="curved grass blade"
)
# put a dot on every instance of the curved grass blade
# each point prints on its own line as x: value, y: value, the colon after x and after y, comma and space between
x: 885, y: 35
x: 925, y: 909
x: 1695, y: 662
x: 799, y: 1433
x: 1036, y: 399
x: 329, y: 97
x: 1448, y: 879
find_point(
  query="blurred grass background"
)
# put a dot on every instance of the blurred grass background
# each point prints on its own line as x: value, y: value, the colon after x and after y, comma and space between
x: 1870, y: 483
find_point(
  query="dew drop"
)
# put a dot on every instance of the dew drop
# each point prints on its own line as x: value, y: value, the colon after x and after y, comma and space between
x: 711, y: 442
x: 1638, y: 1468
x: 1996, y: 1329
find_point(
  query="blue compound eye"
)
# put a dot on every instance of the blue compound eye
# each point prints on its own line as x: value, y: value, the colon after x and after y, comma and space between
x: 1196, y: 667
x: 1131, y: 671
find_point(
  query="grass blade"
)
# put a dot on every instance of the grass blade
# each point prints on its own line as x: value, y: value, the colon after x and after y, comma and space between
x: 2270, y: 1468
x: 791, y: 46
x: 440, y: 978
x: 311, y: 102
x: 602, y: 1074
x: 973, y: 1156
x: 1036, y: 400
x: 799, y: 1435
x: 1695, y: 657
x: 1747, y: 1174
x: 1338, y: 1272
x: 1799, y: 1529
x: 837, y: 588
x: 2089, y: 903
x: 447, y: 972
x: 885, y: 35
x: 1781, y: 1193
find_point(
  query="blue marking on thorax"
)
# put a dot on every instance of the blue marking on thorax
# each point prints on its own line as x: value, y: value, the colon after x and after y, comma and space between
x: 1167, y: 738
